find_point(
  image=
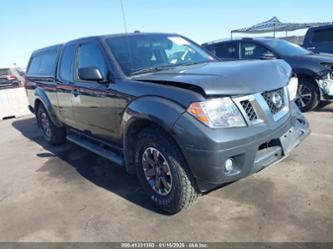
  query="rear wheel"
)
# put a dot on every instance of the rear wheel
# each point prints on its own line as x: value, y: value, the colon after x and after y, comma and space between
x: 53, y: 135
x: 308, y: 95
x: 162, y: 171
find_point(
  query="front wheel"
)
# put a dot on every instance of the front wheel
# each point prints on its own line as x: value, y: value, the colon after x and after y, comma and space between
x: 162, y: 171
x: 308, y: 96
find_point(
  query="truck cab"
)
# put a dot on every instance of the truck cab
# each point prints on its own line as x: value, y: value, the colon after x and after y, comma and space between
x: 319, y: 39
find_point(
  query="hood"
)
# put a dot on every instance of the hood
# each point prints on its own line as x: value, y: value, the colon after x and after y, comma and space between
x: 311, y: 62
x: 226, y: 78
x: 316, y: 58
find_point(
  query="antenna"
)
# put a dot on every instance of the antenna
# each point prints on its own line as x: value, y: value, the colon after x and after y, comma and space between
x: 125, y: 28
x: 123, y: 14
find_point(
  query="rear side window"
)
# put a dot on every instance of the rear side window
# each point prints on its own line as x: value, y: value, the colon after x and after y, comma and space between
x: 43, y: 63
x: 253, y: 51
x: 324, y: 35
x: 228, y: 50
x: 66, y: 63
x: 90, y: 55
x: 210, y: 48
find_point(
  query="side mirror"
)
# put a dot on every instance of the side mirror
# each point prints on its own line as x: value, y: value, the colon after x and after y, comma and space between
x: 91, y: 74
x: 268, y: 56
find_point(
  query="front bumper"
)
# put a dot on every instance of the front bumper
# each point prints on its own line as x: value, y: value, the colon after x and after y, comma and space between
x: 251, y: 149
x: 326, y: 87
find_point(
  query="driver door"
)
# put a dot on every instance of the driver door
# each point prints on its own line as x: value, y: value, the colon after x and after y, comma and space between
x: 94, y: 103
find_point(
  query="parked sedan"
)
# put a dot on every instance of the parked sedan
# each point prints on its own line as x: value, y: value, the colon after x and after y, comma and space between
x: 315, y: 71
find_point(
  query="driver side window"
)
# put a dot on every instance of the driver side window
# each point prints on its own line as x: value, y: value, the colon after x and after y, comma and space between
x: 252, y: 51
x: 90, y: 55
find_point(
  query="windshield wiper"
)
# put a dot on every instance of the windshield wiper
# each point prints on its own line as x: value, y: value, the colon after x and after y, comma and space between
x: 191, y: 63
x: 150, y: 69
x: 164, y: 67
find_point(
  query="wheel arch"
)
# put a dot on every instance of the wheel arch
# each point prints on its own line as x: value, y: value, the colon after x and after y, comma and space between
x: 42, y: 99
x: 311, y: 79
x: 147, y: 112
x: 129, y: 145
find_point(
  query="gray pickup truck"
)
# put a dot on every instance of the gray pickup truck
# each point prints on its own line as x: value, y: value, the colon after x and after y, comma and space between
x: 166, y: 110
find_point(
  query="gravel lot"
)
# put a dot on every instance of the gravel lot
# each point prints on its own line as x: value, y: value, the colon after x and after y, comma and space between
x: 69, y: 194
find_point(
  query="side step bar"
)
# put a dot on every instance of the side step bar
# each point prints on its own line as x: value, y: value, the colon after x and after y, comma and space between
x: 93, y: 147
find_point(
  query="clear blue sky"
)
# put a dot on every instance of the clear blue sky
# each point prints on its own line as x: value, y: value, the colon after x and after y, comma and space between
x: 29, y: 25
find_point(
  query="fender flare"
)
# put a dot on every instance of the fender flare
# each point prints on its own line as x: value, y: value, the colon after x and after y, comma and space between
x: 41, y: 96
x: 305, y: 72
x: 149, y: 110
x: 307, y: 75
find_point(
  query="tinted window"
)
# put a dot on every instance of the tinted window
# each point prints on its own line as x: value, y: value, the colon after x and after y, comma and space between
x: 34, y: 65
x: 285, y: 48
x: 90, y: 55
x: 4, y: 71
x: 66, y: 63
x: 227, y: 50
x: 138, y: 52
x: 251, y: 50
x: 210, y: 48
x: 324, y: 35
x: 43, y: 63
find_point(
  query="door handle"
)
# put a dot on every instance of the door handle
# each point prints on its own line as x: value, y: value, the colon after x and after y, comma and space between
x: 75, y: 92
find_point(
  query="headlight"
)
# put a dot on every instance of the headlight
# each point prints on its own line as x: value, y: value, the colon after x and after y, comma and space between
x: 217, y: 113
x: 292, y: 88
x: 326, y: 84
x: 322, y: 74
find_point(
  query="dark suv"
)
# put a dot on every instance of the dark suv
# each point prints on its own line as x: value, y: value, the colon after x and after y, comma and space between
x: 314, y: 71
x: 11, y: 77
x: 166, y: 110
x: 319, y: 39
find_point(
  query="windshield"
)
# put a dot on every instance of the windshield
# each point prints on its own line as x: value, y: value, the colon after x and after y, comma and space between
x: 143, y: 53
x: 285, y: 48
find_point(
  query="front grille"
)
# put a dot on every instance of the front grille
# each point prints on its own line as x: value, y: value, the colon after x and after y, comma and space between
x: 275, y: 100
x: 249, y: 110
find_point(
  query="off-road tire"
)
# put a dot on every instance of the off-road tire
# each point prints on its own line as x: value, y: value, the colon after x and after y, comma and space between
x: 183, y: 193
x: 56, y: 135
